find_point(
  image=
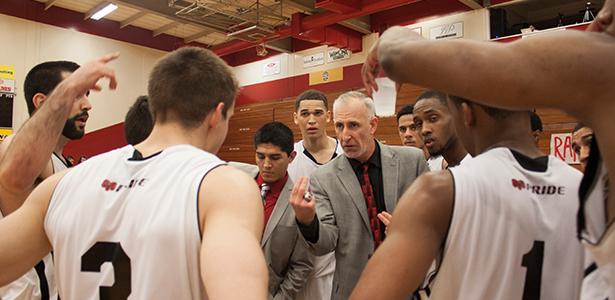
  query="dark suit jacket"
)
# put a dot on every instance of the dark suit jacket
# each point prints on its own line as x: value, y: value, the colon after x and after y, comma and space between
x: 342, y: 212
x: 287, y: 254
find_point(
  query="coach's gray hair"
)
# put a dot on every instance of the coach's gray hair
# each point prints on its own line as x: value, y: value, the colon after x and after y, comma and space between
x: 346, y: 97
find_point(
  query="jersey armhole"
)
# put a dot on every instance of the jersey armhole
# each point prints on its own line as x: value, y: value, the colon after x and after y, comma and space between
x: 440, y: 257
x: 198, y: 191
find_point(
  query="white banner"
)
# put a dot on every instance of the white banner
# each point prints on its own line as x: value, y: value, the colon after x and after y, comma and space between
x: 561, y: 147
x: 335, y: 54
x: 315, y: 59
x: 271, y: 67
x: 7, y: 86
x: 446, y: 31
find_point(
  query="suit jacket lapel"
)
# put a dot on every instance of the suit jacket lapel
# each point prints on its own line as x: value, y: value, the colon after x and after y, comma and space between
x: 278, y: 211
x: 349, y: 180
x: 390, y: 172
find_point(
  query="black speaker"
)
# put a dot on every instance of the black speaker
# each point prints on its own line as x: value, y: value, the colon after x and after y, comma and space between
x: 497, y: 22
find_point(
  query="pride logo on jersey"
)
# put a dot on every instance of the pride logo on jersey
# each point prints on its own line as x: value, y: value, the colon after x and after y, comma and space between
x: 109, y: 185
x: 538, y: 189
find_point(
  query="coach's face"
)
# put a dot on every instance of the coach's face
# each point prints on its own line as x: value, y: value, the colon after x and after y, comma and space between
x: 355, y: 129
x: 434, y: 120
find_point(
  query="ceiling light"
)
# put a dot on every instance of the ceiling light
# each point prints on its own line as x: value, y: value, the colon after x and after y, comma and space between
x: 107, y: 9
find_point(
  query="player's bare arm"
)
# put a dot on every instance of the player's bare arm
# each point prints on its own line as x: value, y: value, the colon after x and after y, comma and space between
x: 20, y: 166
x: 24, y: 242
x: 232, y: 262
x: 422, y: 217
x: 520, y: 73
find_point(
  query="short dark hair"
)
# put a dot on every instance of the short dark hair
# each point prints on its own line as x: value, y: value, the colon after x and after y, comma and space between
x: 277, y: 134
x: 311, y: 95
x: 496, y: 113
x: 535, y: 121
x: 429, y: 94
x: 405, y: 110
x: 138, y: 122
x: 43, y: 78
x: 578, y: 127
x: 187, y: 84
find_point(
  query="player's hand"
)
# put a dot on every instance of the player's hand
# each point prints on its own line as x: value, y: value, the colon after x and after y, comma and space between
x: 304, y: 207
x: 386, y: 218
x: 371, y: 69
x: 87, y: 76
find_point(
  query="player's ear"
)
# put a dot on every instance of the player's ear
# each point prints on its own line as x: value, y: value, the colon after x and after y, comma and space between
x: 468, y: 113
x: 216, y: 116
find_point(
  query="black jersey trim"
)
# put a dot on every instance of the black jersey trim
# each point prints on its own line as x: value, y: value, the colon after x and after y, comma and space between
x: 198, y: 213
x: 62, y: 159
x: 42, y: 278
x: 138, y: 156
x: 538, y: 164
x: 311, y: 157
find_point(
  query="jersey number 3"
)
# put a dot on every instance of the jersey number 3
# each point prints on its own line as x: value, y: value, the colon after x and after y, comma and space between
x: 533, y: 262
x: 103, y: 252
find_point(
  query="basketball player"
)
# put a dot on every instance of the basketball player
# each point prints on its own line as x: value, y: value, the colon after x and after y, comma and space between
x: 582, y: 137
x: 138, y: 121
x: 433, y: 118
x: 501, y: 220
x: 315, y: 149
x: 35, y: 153
x: 536, y: 127
x: 172, y: 221
x: 569, y: 70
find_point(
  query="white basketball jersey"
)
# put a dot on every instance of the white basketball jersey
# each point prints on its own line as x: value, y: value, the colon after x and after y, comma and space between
x: 435, y: 163
x: 302, y: 165
x: 125, y: 228
x: 37, y: 283
x: 512, y: 232
x: 320, y: 281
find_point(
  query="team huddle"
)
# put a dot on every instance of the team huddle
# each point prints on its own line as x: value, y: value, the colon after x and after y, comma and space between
x: 470, y: 209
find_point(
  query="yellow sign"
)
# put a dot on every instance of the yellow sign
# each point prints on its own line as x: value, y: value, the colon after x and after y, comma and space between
x: 7, y: 72
x: 332, y: 75
x: 4, y: 132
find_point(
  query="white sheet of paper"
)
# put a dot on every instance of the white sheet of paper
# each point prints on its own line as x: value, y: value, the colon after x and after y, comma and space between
x: 385, y: 97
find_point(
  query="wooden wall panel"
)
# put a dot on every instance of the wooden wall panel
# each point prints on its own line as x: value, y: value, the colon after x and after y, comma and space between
x: 248, y: 118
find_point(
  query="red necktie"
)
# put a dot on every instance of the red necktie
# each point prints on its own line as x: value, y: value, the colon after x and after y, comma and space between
x: 372, y: 209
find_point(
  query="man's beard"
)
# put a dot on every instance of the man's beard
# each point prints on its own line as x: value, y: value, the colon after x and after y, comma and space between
x: 70, y: 130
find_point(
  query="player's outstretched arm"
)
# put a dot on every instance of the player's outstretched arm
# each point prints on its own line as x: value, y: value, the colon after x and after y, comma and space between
x: 21, y: 162
x: 232, y: 262
x: 560, y: 68
x: 421, y: 218
x: 24, y: 242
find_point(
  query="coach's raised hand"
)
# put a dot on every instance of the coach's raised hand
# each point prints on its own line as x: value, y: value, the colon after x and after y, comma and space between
x: 304, y: 207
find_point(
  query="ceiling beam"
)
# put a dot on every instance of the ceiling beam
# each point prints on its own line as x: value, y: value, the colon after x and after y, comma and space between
x: 357, y: 25
x: 298, y: 6
x: 132, y: 19
x: 282, y: 45
x: 196, y: 36
x: 164, y: 28
x: 471, y: 4
x: 50, y: 3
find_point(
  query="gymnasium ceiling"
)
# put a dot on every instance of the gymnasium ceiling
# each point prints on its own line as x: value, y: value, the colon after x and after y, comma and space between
x: 229, y: 26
